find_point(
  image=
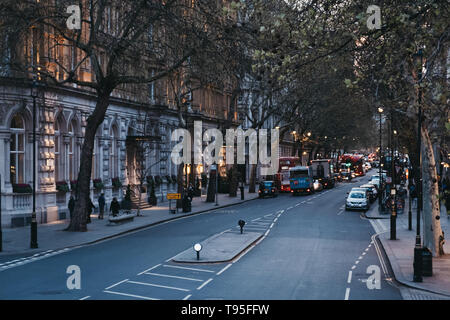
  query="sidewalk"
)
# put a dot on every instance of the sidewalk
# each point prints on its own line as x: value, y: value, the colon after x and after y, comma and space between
x: 52, y: 237
x: 400, y: 252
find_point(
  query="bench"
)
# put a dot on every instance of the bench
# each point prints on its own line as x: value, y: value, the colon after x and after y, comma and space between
x: 122, y: 217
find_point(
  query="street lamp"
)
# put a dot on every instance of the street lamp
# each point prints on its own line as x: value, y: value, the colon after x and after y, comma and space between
x: 418, y: 59
x: 380, y: 196
x: 33, y: 242
x: 198, y: 248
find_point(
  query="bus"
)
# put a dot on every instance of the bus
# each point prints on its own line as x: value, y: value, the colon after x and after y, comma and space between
x: 282, y: 178
x: 355, y: 162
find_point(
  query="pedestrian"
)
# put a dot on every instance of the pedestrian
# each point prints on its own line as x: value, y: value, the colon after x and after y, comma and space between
x: 101, y: 205
x: 71, y: 206
x: 115, y: 207
x: 90, y: 206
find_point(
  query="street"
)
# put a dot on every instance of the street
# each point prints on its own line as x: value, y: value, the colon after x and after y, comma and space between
x: 311, y: 249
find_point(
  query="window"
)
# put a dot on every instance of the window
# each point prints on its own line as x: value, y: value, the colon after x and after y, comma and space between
x: 17, y: 150
x: 113, y: 154
x: 59, y: 151
x: 71, y: 151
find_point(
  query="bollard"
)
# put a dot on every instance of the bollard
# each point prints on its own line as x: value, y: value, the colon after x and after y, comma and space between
x: 242, y: 192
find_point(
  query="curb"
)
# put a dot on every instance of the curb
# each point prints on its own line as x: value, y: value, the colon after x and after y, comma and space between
x: 222, y: 261
x: 401, y: 279
x: 128, y: 231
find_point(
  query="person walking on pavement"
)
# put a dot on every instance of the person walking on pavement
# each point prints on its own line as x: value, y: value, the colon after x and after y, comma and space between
x: 71, y: 206
x: 101, y: 205
x: 89, y: 210
x: 115, y: 207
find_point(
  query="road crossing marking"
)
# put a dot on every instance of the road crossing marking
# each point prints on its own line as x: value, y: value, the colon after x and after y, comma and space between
x: 158, y: 286
x: 223, y: 270
x: 187, y: 297
x: 130, y: 295
x: 186, y: 268
x: 150, y: 269
x: 170, y: 276
x: 117, y: 284
x: 205, y: 283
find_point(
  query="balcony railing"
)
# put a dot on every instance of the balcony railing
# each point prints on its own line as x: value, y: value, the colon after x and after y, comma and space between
x: 22, y: 201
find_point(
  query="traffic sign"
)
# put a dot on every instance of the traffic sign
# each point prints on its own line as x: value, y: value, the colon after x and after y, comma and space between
x: 173, y: 196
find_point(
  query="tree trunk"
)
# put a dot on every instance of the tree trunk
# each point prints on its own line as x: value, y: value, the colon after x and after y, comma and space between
x: 251, y: 187
x: 211, y: 193
x: 234, y: 181
x: 433, y: 236
x: 78, y: 221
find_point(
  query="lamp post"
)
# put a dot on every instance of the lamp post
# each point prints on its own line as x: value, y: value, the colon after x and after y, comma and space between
x: 1, y: 234
x: 380, y: 196
x: 33, y: 242
x: 393, y: 186
x: 418, y: 58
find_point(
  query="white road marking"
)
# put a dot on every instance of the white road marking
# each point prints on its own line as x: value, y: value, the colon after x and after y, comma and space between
x: 276, y: 219
x: 154, y: 267
x: 340, y: 212
x: 84, y: 298
x: 349, y: 279
x: 256, y: 219
x: 353, y: 267
x: 158, y: 286
x: 170, y: 276
x: 267, y: 232
x: 367, y: 249
x: 187, y: 297
x: 271, y: 226
x: 357, y: 261
x: 289, y: 208
x: 363, y: 253
x: 223, y: 270
x: 205, y: 283
x: 360, y: 257
x: 117, y: 284
x: 186, y: 268
x: 347, y: 293
x: 129, y: 295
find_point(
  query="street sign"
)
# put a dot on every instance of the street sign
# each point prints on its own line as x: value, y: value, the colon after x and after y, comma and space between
x: 173, y: 196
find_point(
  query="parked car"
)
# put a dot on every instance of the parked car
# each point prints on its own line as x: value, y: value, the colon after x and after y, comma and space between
x: 372, y: 190
x: 358, y: 199
x: 267, y: 188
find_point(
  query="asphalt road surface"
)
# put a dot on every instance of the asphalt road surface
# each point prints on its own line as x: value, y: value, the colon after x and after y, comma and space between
x: 311, y: 249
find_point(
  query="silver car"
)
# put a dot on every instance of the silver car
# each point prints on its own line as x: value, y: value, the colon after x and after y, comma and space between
x: 357, y: 200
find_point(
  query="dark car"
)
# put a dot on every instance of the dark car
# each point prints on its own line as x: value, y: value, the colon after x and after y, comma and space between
x: 372, y: 191
x: 267, y: 188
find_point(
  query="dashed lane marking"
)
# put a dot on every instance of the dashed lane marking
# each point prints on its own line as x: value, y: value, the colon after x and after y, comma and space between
x: 349, y: 279
x: 347, y: 294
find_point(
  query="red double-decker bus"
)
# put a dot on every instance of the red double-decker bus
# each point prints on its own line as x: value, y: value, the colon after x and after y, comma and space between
x: 282, y: 178
x: 356, y: 163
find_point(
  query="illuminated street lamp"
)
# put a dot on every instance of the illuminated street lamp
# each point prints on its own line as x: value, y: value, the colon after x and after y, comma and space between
x: 198, y: 248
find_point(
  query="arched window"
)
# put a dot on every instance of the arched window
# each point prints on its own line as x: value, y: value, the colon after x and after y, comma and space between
x: 17, y: 150
x: 71, y: 151
x: 113, y: 154
x: 59, y: 151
